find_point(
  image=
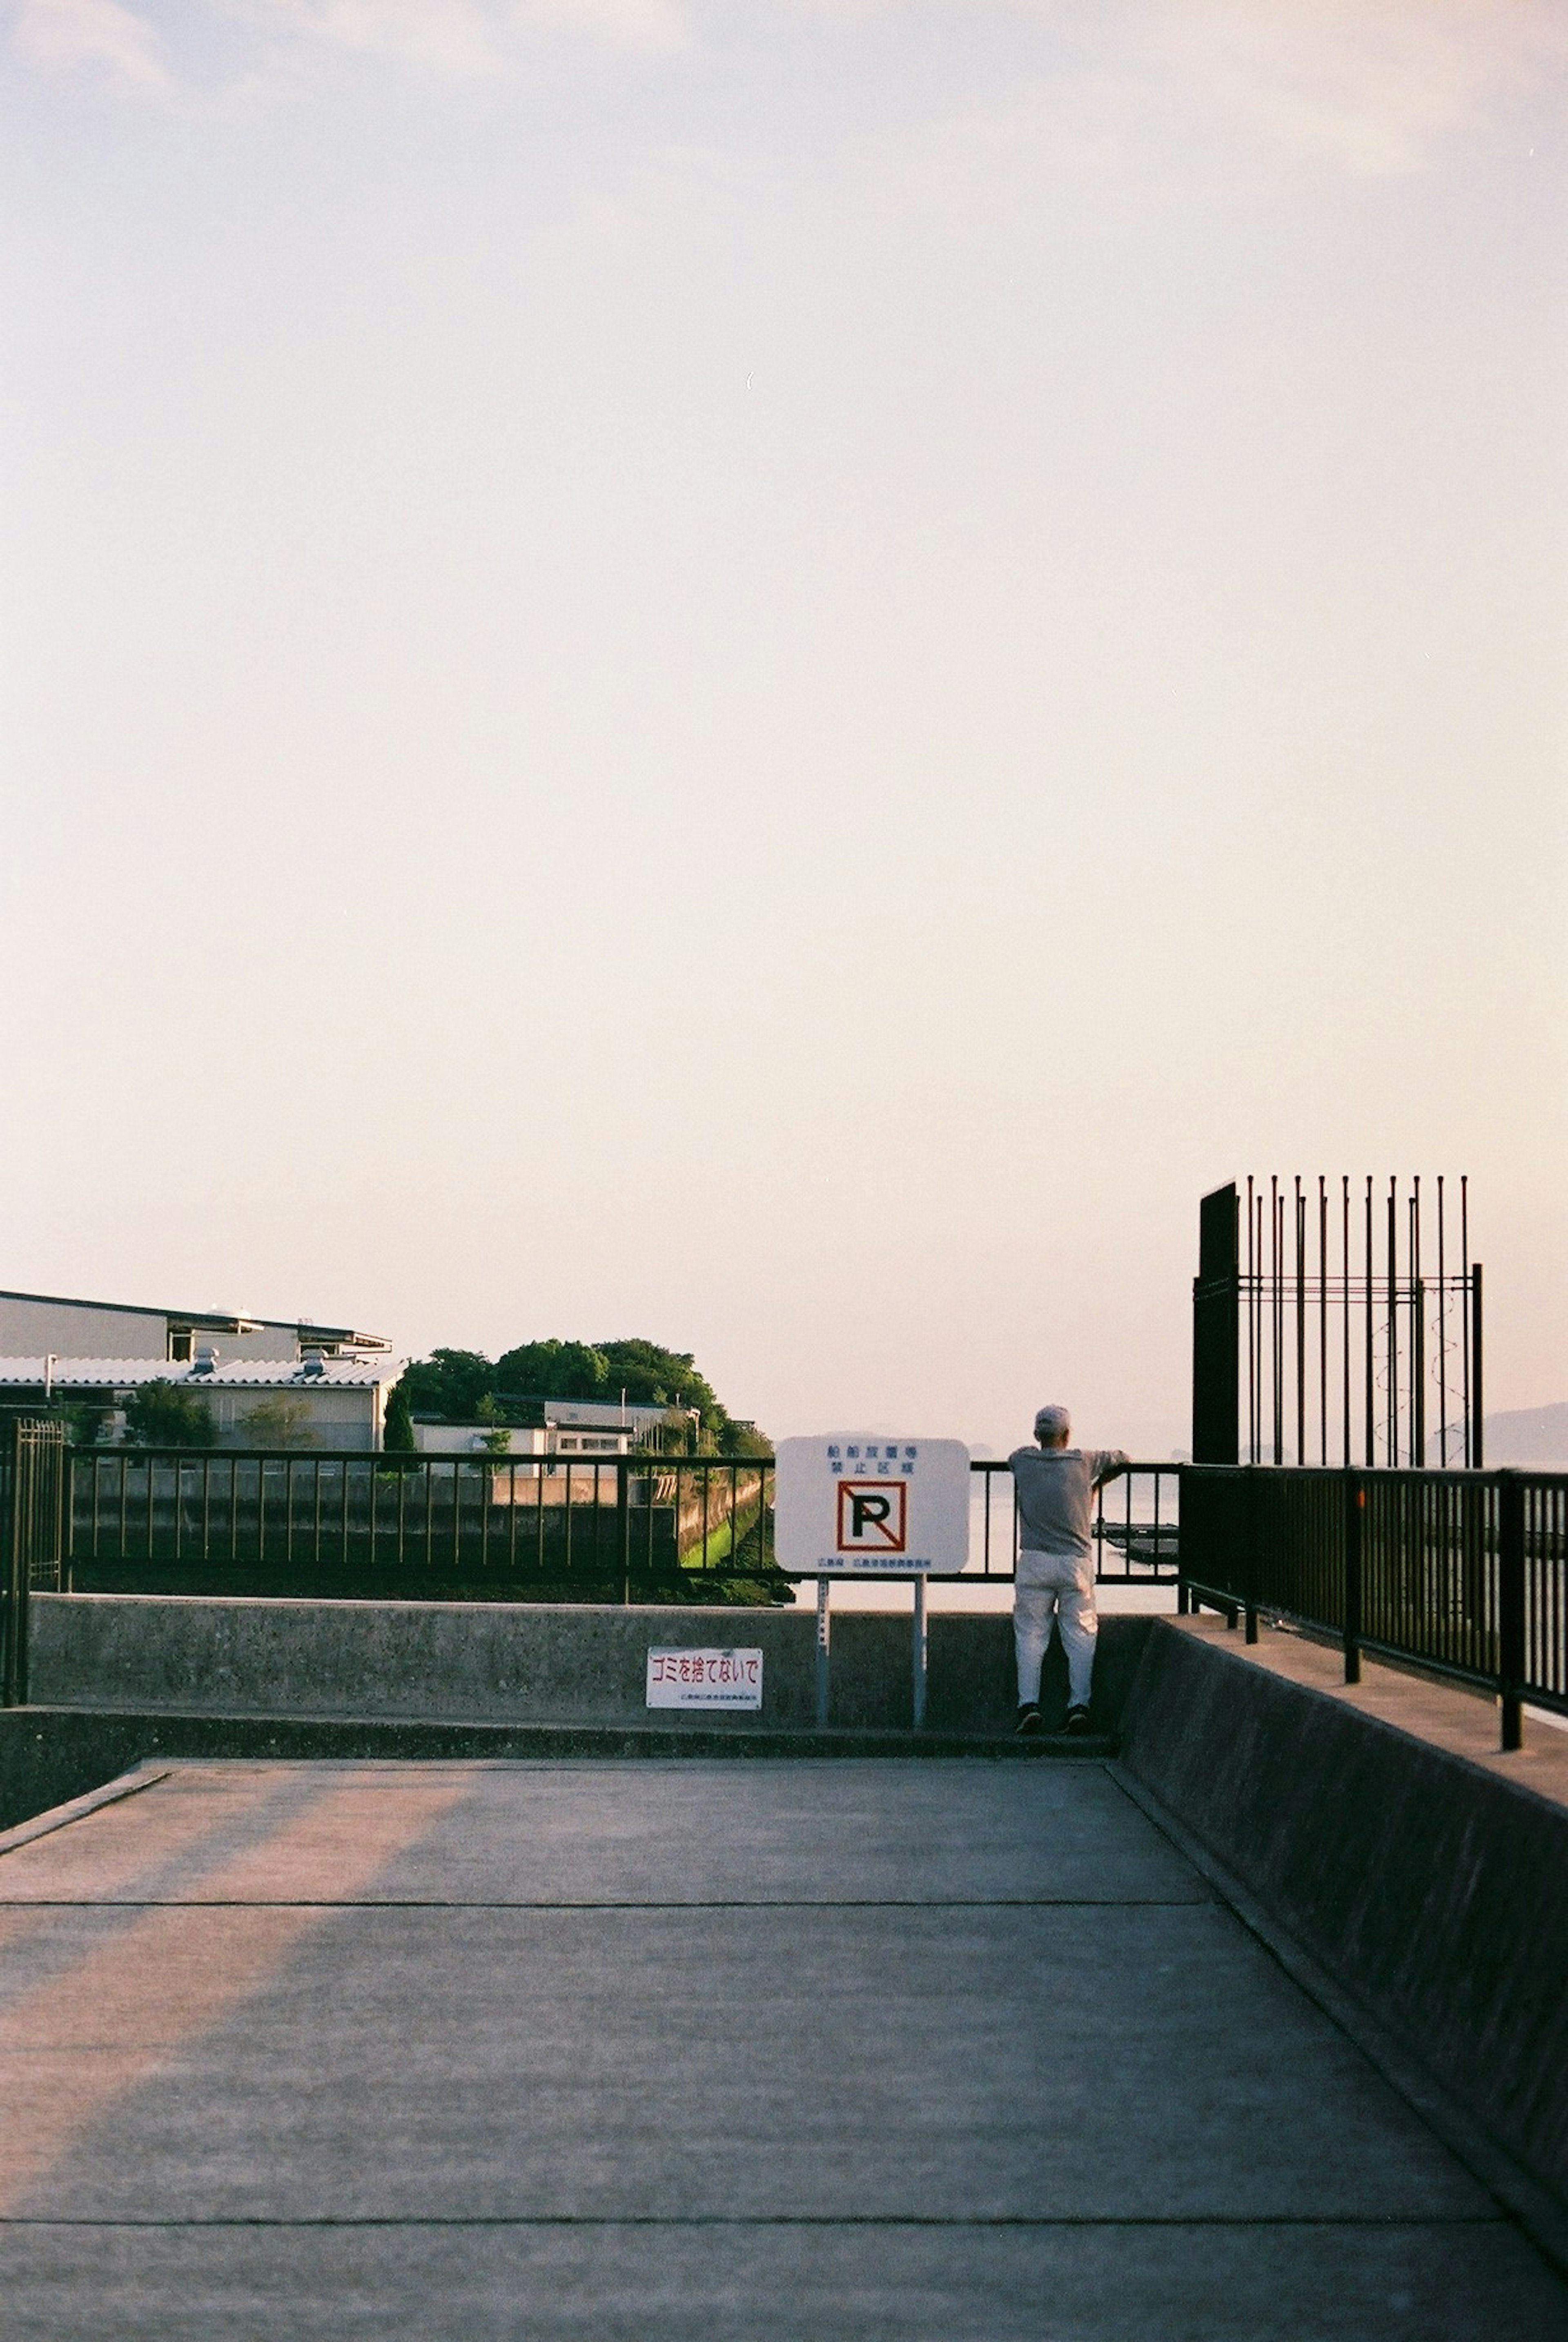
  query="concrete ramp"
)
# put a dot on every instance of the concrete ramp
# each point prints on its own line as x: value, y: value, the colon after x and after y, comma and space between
x: 958, y: 2052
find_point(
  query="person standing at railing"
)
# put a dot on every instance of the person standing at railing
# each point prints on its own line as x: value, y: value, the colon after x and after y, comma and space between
x: 1054, y: 1488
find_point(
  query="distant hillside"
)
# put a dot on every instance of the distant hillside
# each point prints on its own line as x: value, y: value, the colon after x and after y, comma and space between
x: 1528, y: 1435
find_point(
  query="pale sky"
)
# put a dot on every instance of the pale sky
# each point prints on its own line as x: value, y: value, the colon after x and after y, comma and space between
x: 774, y: 675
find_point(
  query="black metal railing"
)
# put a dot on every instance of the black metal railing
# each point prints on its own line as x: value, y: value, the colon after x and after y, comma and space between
x: 510, y: 1528
x: 32, y: 1526
x: 595, y: 1527
x: 1461, y: 1574
x: 1135, y: 1527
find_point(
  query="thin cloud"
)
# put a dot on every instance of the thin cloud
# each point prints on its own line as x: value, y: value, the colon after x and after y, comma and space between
x: 466, y: 38
x: 454, y: 38
x: 1157, y: 96
x: 1371, y: 86
x: 621, y: 23
x: 63, y: 35
x: 1366, y: 86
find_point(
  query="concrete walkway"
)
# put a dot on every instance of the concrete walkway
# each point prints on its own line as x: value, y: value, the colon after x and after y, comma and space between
x: 951, y: 2053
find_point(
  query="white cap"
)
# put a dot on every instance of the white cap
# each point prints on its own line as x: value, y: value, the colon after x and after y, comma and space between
x: 1054, y: 1420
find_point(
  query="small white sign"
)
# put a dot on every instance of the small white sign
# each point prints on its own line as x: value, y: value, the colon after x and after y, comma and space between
x: 705, y: 1679
x: 850, y: 1503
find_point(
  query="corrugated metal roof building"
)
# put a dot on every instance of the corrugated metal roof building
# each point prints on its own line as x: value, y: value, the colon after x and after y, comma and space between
x: 315, y: 1401
x: 45, y: 1322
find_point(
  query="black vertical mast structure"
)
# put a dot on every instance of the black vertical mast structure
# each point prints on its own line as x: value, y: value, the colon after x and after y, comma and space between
x: 1409, y: 1343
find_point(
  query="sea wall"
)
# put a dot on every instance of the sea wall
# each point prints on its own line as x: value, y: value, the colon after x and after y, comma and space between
x: 1431, y: 1890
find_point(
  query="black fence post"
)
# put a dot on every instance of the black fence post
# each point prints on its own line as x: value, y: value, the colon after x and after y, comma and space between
x: 1511, y: 1606
x: 624, y: 1523
x: 1250, y: 1558
x: 1355, y: 1528
x: 1216, y: 1337
x: 14, y: 1589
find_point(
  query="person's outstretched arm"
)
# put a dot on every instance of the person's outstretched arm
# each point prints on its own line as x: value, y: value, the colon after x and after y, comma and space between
x: 1109, y: 1463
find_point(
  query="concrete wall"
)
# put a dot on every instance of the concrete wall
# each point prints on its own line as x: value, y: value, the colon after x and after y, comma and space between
x: 338, y: 1417
x: 30, y: 1328
x: 1433, y: 1893
x: 522, y: 1662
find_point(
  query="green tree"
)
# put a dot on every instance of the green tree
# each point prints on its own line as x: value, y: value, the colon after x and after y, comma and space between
x: 449, y: 1384
x: 652, y: 1376
x: 555, y: 1370
x: 163, y: 1415
x: 463, y: 1387
x: 280, y: 1421
x: 397, y: 1431
x: 497, y: 1439
x: 86, y: 1425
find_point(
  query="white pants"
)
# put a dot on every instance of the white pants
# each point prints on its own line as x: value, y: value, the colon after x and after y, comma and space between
x: 1054, y: 1587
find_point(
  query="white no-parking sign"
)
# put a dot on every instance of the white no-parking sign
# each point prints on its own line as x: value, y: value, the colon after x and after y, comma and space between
x: 850, y: 1504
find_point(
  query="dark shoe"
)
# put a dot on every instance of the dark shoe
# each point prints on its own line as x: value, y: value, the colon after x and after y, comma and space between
x: 1029, y: 1721
x: 1078, y: 1720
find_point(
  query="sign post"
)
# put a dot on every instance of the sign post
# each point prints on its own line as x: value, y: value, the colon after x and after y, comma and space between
x: 851, y: 1505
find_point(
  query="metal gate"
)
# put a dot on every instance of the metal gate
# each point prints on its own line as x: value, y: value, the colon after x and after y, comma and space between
x: 34, y: 1520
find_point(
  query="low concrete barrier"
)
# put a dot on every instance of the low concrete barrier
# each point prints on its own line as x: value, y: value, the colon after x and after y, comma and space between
x: 526, y: 1663
x: 1431, y: 1891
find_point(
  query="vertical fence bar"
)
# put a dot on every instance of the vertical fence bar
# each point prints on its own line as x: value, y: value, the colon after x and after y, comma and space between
x: 68, y: 1546
x: 539, y: 1514
x: 1369, y: 1456
x: 14, y: 1654
x: 1301, y: 1320
x: 1344, y: 1323
x: 623, y: 1521
x: 1391, y: 1325
x: 1442, y: 1339
x: 1253, y: 1558
x: 1464, y: 1310
x: 1323, y: 1318
x: 1276, y: 1328
x: 1477, y: 1375
x: 1253, y: 1336
x: 1355, y: 1525
x: 1511, y: 1637
x: 1419, y: 1341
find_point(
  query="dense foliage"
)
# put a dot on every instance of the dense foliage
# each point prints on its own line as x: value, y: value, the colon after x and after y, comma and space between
x: 163, y: 1415
x: 465, y: 1386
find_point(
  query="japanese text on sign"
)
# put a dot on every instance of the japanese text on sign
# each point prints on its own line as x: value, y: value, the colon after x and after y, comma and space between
x: 702, y: 1678
x: 899, y: 1506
